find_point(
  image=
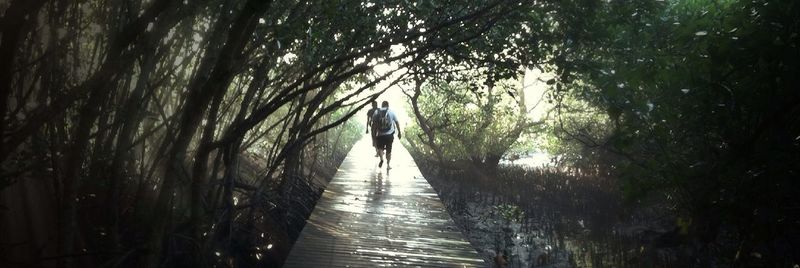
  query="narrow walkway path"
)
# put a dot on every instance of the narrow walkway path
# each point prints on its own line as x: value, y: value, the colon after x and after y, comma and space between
x: 371, y: 217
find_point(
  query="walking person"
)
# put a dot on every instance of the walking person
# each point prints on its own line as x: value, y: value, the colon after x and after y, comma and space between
x: 385, y: 125
x: 370, y: 124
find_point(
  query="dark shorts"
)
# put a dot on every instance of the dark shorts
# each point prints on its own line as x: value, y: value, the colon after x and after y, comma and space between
x: 385, y: 142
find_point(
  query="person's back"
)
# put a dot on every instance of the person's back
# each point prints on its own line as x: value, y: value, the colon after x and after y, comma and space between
x: 383, y: 121
x: 370, y: 115
x: 371, y: 125
x: 385, y: 126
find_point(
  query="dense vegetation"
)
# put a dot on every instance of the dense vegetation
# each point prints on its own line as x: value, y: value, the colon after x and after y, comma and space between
x: 193, y: 133
x: 703, y: 108
x: 688, y: 106
x: 199, y: 133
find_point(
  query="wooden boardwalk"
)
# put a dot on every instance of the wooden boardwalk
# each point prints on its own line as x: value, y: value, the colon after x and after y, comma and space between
x: 371, y: 217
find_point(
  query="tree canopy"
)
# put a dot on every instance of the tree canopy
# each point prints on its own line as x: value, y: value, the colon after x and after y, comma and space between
x: 196, y: 132
x: 695, y: 101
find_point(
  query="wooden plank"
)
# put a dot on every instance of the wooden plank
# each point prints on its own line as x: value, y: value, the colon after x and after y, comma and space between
x: 374, y: 217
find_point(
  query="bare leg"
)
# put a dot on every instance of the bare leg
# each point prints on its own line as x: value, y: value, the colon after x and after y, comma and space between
x: 375, y: 143
x: 380, y: 153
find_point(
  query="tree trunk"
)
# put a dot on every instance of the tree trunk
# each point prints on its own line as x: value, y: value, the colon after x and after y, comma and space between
x: 194, y: 107
x: 131, y: 118
x: 118, y: 59
x: 12, y: 29
x: 73, y: 166
x: 199, y: 183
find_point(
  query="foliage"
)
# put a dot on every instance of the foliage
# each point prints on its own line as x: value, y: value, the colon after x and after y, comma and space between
x: 703, y: 102
x: 573, y: 131
x: 150, y: 106
x: 468, y: 122
x: 464, y: 97
x: 198, y: 124
x: 510, y: 212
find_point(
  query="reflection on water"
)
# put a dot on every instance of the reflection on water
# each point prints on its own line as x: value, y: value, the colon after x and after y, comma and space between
x: 530, y: 160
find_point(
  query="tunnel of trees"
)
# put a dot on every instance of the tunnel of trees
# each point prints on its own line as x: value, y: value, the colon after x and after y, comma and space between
x: 199, y: 133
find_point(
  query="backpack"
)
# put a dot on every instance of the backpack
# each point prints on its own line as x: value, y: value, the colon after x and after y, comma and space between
x: 381, y: 121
